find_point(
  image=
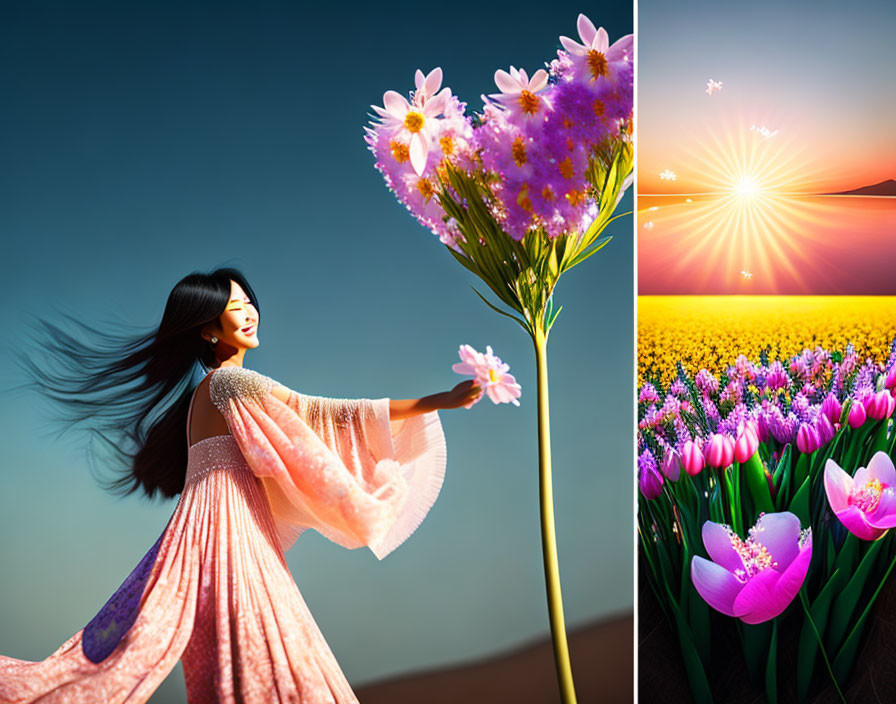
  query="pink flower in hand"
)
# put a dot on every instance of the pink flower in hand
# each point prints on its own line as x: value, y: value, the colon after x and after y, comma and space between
x: 865, y: 503
x: 491, y: 373
x: 753, y: 579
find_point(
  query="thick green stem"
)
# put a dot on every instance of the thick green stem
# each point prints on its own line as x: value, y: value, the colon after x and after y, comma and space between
x: 548, y: 538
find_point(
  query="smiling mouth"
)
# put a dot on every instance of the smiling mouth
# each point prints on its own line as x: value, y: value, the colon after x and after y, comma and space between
x: 249, y: 329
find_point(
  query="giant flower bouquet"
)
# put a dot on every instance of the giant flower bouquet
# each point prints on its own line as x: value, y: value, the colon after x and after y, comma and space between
x: 520, y: 193
x: 767, y: 495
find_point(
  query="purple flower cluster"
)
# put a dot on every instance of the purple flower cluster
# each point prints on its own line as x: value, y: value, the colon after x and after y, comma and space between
x: 803, y: 401
x: 535, y: 144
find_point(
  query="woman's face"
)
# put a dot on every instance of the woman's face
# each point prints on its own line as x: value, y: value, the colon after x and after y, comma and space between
x: 238, y: 325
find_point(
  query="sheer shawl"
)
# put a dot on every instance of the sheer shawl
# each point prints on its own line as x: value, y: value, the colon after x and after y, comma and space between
x: 339, y: 466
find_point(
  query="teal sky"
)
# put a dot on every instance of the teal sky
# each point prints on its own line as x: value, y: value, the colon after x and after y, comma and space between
x: 139, y: 144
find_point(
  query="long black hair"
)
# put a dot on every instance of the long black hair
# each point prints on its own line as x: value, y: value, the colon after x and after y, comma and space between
x: 132, y: 391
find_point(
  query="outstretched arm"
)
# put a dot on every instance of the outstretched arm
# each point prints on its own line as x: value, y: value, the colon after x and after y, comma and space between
x: 460, y: 395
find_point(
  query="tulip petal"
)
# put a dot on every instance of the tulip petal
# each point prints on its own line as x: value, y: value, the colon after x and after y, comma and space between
x: 881, y: 468
x: 601, y: 41
x: 756, y: 602
x: 884, y: 516
x: 856, y: 523
x: 717, y: 541
x: 861, y: 477
x: 418, y: 79
x: 718, y: 587
x: 793, y: 577
x: 780, y: 534
x: 837, y: 485
x: 463, y: 368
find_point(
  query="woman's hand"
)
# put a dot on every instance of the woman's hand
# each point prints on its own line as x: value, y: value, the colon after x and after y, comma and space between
x: 464, y: 393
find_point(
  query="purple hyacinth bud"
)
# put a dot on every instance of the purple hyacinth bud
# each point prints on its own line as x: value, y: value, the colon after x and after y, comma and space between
x: 831, y: 408
x: 648, y: 394
x: 807, y: 439
x: 671, y: 465
x: 650, y: 481
x: 857, y: 414
x: 777, y: 378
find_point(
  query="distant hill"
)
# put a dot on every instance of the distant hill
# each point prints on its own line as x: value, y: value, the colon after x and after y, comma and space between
x: 884, y: 188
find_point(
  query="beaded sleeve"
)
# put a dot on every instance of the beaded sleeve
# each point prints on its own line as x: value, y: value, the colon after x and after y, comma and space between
x: 339, y: 466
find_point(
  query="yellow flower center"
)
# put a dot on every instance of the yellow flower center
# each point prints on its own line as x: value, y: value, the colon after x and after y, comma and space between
x: 529, y: 102
x: 867, y: 497
x: 447, y: 144
x: 414, y: 121
x: 400, y: 152
x: 424, y: 185
x: 492, y: 376
x: 519, y: 151
x: 567, y: 170
x: 575, y: 197
x: 597, y: 62
x: 523, y: 198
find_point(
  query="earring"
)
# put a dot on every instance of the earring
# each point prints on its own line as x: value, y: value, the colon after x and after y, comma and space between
x: 214, y: 340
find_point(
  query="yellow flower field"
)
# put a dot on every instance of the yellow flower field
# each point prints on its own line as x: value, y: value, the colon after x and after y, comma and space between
x: 711, y: 331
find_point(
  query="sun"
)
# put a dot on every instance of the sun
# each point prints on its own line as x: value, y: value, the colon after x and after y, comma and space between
x: 747, y: 187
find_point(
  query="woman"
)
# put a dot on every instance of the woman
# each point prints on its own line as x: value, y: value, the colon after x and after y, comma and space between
x: 260, y: 463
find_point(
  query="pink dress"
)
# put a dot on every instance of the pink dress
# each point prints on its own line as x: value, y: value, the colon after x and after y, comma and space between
x: 215, y: 590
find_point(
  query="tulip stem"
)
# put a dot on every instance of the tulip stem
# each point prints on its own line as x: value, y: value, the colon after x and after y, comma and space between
x: 805, y: 602
x: 548, y: 537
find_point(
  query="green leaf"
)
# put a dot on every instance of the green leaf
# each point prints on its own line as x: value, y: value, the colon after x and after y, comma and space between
x: 800, y: 504
x: 846, y: 603
x: 846, y: 657
x: 771, y: 667
x: 584, y: 254
x: 519, y: 322
x: 755, y: 639
x: 807, y: 651
x: 692, y: 663
x: 758, y: 484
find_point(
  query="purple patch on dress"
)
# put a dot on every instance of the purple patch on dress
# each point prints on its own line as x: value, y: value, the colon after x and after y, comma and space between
x: 108, y: 627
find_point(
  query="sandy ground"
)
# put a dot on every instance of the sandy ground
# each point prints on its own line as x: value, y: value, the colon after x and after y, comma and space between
x: 602, y: 664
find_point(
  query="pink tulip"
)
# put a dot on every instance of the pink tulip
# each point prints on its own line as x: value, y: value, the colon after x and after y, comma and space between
x: 825, y: 429
x: 671, y: 465
x: 746, y: 444
x: 880, y: 405
x: 865, y: 503
x: 720, y: 451
x: 692, y: 458
x: 831, y: 408
x: 890, y: 382
x: 757, y: 578
x: 857, y: 415
x: 807, y: 439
